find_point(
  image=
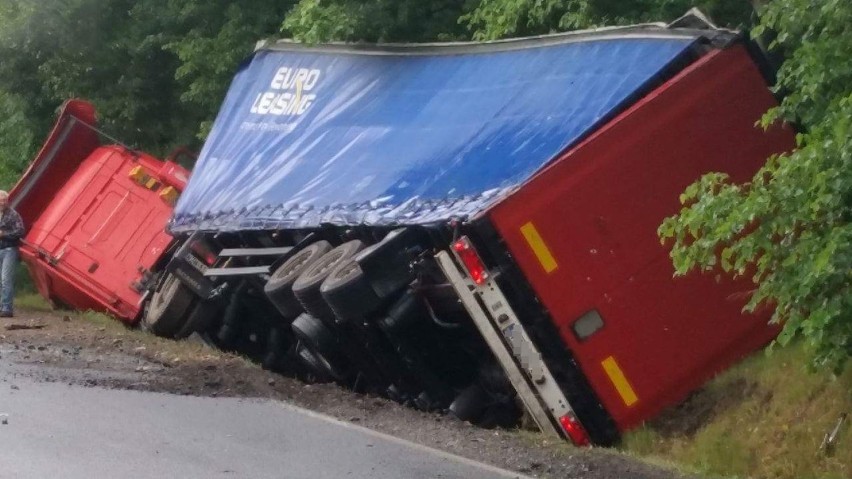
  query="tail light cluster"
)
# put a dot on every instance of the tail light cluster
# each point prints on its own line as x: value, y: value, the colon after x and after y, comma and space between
x: 477, y: 271
x: 574, y: 430
x: 468, y: 256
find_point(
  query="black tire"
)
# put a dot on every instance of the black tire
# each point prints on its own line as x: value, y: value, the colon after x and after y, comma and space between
x: 321, y: 342
x: 279, y: 287
x: 166, y: 313
x: 388, y: 263
x: 276, y: 349
x: 316, y: 370
x: 504, y: 414
x: 349, y: 294
x: 227, y: 336
x: 470, y: 404
x: 202, y: 316
x: 307, y: 286
x: 313, y: 333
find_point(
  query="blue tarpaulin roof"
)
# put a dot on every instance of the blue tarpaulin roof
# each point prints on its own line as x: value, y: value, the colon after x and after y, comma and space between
x: 384, y: 136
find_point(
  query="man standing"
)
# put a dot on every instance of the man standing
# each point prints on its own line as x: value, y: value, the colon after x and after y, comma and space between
x: 11, y: 231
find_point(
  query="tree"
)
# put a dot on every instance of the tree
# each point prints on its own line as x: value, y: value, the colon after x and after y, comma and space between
x: 17, y: 143
x: 790, y: 227
x: 156, y: 69
x: 209, y: 40
x: 91, y: 49
x: 494, y: 19
x: 315, y: 21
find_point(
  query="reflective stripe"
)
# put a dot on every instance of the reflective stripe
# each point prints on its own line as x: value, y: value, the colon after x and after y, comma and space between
x: 621, y: 385
x: 548, y: 262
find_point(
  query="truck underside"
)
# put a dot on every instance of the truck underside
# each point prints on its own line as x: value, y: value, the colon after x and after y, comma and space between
x: 373, y: 310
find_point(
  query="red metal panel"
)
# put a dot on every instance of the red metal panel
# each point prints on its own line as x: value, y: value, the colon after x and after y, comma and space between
x: 596, y: 210
x: 98, y: 229
x: 99, y: 232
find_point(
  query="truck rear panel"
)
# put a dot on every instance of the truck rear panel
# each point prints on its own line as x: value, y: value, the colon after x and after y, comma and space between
x: 95, y: 217
x: 583, y: 231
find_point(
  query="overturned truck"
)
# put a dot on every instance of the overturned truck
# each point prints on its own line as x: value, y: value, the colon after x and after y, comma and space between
x: 472, y: 227
x: 95, y: 212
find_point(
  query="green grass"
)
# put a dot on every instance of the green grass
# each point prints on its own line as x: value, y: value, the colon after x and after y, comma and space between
x: 765, y: 418
x: 32, y: 302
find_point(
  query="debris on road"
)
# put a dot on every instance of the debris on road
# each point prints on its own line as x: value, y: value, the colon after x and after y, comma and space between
x: 830, y: 438
x: 18, y: 326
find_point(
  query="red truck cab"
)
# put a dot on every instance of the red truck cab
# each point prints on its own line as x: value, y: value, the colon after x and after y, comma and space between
x: 95, y: 217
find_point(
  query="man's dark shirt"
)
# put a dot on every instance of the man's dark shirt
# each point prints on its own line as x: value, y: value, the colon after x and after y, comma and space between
x: 12, y: 227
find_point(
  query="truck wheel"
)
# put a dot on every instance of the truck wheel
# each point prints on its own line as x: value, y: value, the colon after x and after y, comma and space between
x: 167, y: 310
x: 279, y: 288
x: 314, y: 366
x: 313, y: 333
x: 349, y: 294
x: 201, y: 317
x: 387, y: 264
x: 276, y: 349
x: 321, y: 343
x: 470, y: 404
x: 505, y: 414
x: 307, y: 286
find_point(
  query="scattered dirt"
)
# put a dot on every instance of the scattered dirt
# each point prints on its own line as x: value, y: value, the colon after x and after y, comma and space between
x: 78, y: 351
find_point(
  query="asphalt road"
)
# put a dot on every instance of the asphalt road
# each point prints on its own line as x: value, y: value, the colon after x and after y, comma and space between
x: 61, y: 431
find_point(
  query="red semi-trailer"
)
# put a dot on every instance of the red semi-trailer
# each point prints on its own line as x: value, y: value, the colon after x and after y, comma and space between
x: 466, y: 227
x: 95, y: 217
x: 468, y: 212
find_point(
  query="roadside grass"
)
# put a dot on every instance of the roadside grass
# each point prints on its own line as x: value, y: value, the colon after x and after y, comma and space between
x: 765, y: 418
x: 26, y: 295
x: 32, y: 302
x: 164, y: 350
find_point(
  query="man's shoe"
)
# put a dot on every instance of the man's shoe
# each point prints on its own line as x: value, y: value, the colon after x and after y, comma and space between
x: 6, y: 314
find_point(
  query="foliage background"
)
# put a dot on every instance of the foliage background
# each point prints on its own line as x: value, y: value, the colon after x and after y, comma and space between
x: 158, y: 69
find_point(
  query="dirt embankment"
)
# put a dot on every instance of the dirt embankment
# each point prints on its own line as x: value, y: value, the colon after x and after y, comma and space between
x: 87, y: 350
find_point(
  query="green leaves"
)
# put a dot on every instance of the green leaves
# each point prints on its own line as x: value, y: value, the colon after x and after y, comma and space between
x: 156, y: 69
x: 789, y: 228
x: 17, y: 144
x: 401, y: 21
x: 493, y: 19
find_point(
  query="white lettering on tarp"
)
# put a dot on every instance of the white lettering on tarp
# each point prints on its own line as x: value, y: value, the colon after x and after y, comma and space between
x: 289, y: 94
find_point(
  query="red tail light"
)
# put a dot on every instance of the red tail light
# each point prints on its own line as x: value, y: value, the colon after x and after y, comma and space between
x: 201, y: 249
x: 475, y: 268
x: 575, y: 431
